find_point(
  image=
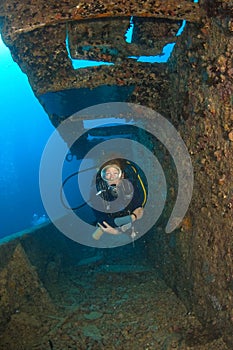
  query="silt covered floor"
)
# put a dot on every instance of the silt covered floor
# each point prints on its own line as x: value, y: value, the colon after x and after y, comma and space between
x: 120, y: 305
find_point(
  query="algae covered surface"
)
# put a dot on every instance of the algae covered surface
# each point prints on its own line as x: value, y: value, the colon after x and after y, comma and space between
x: 100, y: 306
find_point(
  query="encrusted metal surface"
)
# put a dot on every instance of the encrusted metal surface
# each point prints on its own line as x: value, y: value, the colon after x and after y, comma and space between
x: 105, y: 40
x: 25, y: 16
x: 197, y: 259
x: 43, y: 55
x: 36, y: 33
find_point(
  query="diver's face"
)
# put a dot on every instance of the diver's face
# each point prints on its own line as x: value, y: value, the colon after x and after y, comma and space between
x: 112, y: 176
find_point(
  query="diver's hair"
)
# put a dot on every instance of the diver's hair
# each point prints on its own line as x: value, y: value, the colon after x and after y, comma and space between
x: 120, y: 162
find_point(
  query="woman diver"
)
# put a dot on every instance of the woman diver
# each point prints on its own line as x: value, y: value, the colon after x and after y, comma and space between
x: 118, y: 198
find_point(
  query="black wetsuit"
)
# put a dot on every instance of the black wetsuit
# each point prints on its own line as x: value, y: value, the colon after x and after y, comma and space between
x: 110, y: 202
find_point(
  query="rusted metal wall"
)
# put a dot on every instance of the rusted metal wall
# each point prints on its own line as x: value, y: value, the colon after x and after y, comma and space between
x: 197, y: 259
x: 36, y: 34
x: 24, y: 16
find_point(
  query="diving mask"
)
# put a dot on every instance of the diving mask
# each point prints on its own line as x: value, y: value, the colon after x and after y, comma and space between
x: 111, y: 173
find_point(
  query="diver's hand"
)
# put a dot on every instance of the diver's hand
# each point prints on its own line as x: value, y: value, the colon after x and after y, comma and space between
x: 109, y: 229
x: 138, y: 212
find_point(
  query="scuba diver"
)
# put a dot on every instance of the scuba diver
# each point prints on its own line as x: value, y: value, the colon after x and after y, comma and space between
x: 118, y: 197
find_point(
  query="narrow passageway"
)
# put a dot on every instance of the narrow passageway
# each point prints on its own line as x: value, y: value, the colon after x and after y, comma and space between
x: 108, y: 306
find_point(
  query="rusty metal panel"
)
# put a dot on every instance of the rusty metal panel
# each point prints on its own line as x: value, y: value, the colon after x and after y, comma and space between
x: 27, y: 15
x: 104, y: 39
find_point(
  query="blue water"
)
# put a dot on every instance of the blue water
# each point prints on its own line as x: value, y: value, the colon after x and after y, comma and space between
x: 25, y: 128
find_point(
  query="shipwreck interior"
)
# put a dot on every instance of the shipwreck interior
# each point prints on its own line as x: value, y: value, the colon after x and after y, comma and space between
x: 166, y: 290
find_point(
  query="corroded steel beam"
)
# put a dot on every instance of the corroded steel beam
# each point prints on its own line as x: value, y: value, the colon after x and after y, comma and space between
x: 25, y: 16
